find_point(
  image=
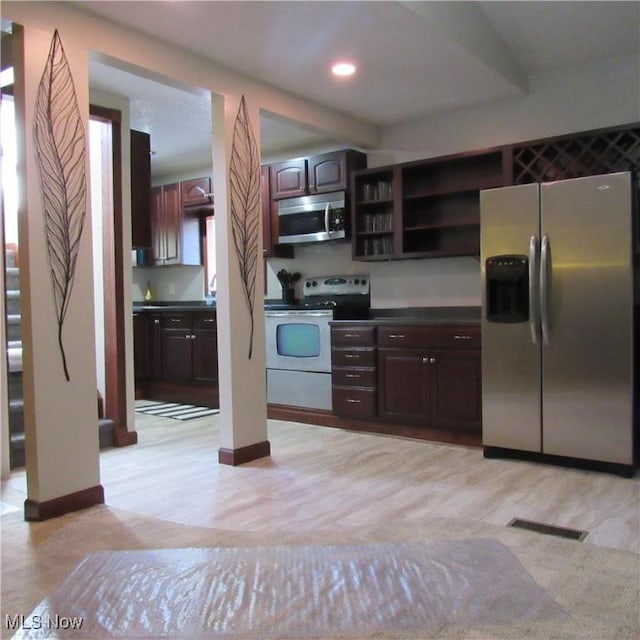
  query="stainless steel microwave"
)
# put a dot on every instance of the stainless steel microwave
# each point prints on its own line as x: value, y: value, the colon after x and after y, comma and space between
x: 316, y: 218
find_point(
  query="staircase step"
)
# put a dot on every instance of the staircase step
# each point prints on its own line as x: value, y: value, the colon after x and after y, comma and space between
x: 10, y: 258
x: 13, y: 303
x: 14, y: 385
x: 14, y: 356
x: 12, y: 279
x: 14, y: 321
x: 105, y: 433
x: 16, y: 451
x: 16, y: 417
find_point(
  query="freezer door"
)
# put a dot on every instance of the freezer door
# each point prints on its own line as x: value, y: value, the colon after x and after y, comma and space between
x: 509, y: 218
x: 588, y: 360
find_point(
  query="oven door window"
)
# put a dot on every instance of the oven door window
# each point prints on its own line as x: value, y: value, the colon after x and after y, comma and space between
x: 298, y: 340
x: 302, y: 223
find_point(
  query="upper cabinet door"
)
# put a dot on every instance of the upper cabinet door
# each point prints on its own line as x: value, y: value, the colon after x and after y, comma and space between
x: 328, y: 172
x: 289, y: 179
x: 140, y: 189
x: 196, y: 192
x: 173, y: 223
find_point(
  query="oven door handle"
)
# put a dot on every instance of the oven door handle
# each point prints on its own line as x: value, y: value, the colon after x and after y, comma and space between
x: 326, y: 217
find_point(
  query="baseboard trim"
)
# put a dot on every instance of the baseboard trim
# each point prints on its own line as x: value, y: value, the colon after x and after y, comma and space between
x: 234, y: 457
x: 35, y: 511
x: 324, y: 418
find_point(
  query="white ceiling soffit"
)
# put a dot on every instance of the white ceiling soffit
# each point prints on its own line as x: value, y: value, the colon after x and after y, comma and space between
x: 179, y: 119
x: 414, y: 58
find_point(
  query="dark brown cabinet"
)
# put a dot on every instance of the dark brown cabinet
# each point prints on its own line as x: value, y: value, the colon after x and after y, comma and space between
x: 353, y: 371
x: 175, y: 233
x: 431, y: 208
x: 197, y: 192
x: 140, y: 190
x: 423, y: 209
x: 430, y: 376
x: 141, y: 341
x: 318, y: 174
x: 289, y: 179
x: 204, y: 348
x: 270, y: 246
x: 189, y: 347
x: 176, y: 356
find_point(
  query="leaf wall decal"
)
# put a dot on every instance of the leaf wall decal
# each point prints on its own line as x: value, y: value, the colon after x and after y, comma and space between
x: 60, y: 144
x: 244, y: 180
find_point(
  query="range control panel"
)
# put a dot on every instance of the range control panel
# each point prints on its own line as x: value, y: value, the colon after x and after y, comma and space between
x: 336, y: 285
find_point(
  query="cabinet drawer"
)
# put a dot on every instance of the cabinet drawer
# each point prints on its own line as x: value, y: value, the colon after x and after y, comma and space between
x: 406, y: 336
x: 358, y: 336
x: 204, y: 321
x: 354, y: 377
x: 176, y: 320
x: 353, y: 357
x: 354, y: 402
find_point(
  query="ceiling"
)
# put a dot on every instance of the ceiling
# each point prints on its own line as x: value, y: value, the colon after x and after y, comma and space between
x: 414, y: 58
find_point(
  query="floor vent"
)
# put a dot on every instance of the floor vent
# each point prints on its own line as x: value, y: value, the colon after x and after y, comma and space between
x: 549, y: 529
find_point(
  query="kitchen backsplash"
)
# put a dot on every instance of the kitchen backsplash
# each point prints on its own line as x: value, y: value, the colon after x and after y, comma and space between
x: 412, y: 283
x: 406, y: 283
x: 173, y: 284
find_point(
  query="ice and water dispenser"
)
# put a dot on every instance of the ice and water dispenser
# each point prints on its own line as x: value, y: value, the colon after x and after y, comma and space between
x: 507, y: 288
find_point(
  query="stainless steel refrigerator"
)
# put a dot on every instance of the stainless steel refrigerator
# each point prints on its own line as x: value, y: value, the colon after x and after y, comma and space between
x: 558, y: 320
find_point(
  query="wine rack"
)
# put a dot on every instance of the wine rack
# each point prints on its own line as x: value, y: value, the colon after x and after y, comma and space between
x: 576, y: 156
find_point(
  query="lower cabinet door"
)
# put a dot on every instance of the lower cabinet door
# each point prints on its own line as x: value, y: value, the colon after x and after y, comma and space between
x: 403, y: 385
x: 205, y: 356
x: 456, y: 390
x: 354, y: 402
x: 176, y: 355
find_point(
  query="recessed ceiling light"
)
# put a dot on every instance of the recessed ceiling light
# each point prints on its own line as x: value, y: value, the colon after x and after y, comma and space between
x: 343, y: 69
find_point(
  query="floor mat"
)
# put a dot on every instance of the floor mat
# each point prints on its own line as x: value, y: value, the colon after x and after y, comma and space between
x: 175, y: 410
x: 294, y: 591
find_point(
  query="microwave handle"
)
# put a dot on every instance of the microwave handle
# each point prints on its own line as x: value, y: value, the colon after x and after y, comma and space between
x: 326, y: 217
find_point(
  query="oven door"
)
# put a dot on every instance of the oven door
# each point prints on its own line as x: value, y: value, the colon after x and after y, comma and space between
x: 298, y: 340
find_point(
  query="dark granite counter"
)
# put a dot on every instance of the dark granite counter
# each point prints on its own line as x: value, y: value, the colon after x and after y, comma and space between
x: 421, y: 316
x: 193, y: 305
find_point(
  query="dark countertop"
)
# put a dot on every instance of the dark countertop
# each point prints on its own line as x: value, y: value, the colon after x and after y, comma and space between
x: 421, y: 316
x: 193, y: 305
x: 411, y: 315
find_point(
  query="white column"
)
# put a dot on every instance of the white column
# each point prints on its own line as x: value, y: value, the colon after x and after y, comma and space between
x: 240, y: 278
x: 61, y: 422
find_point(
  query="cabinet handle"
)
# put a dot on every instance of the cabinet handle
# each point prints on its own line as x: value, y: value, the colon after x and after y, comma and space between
x: 426, y: 360
x: 432, y: 360
x: 397, y: 335
x: 209, y: 320
x: 461, y: 337
x: 351, y: 355
x: 174, y: 319
x: 351, y: 375
x: 351, y: 335
x: 156, y: 321
x: 352, y: 401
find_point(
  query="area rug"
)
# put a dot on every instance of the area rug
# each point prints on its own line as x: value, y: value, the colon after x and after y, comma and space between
x: 294, y: 591
x: 175, y: 410
x: 598, y: 588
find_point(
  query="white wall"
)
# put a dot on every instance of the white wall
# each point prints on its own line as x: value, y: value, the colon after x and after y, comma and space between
x: 171, y: 283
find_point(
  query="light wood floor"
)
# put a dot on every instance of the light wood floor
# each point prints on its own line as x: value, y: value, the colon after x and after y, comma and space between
x: 321, y: 478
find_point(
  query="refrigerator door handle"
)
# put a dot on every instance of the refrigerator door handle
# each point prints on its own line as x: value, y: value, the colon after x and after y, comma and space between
x: 545, y: 287
x: 534, y: 285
